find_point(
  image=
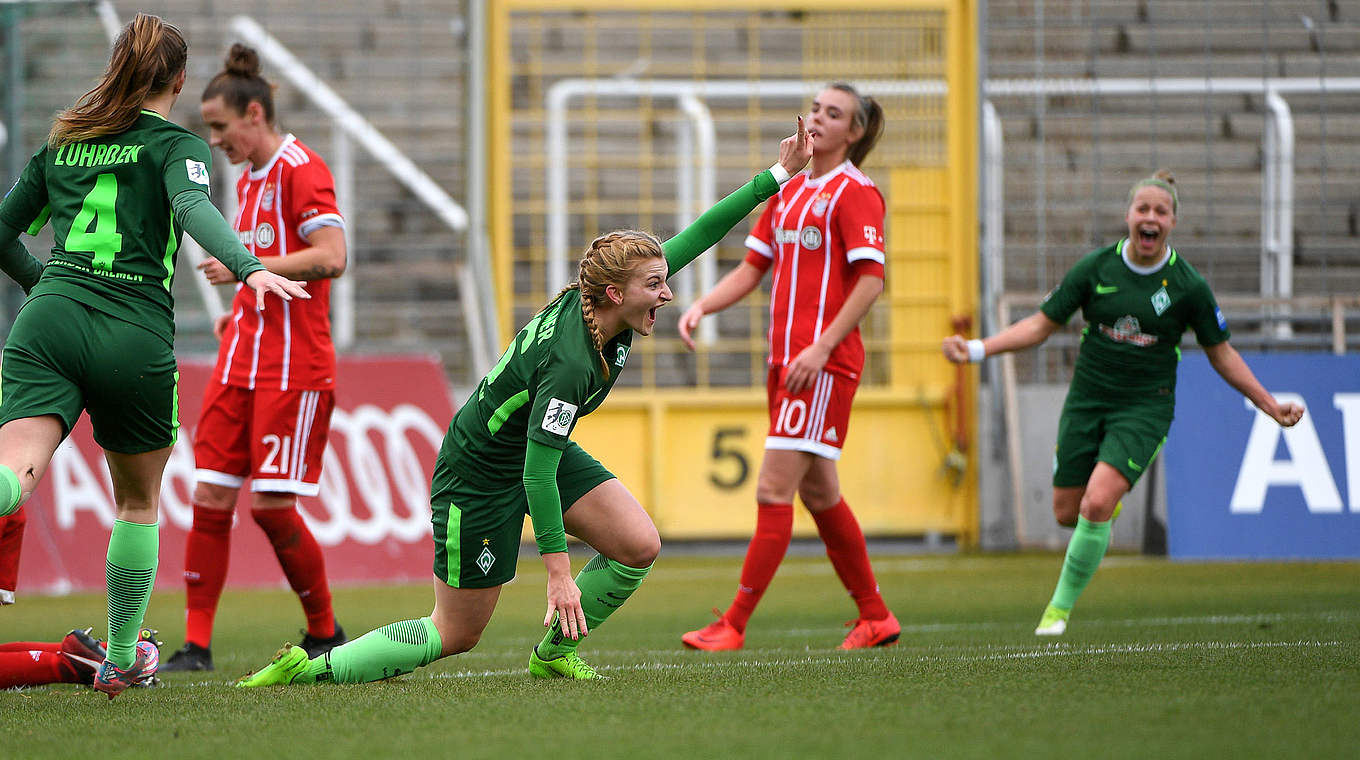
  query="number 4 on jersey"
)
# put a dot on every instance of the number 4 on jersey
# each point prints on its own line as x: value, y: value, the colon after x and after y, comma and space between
x: 99, y: 209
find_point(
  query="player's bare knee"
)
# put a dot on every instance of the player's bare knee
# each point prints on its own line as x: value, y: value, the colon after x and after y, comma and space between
x: 214, y: 496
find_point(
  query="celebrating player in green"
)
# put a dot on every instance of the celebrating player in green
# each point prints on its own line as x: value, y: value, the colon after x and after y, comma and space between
x: 119, y: 184
x: 1138, y: 297
x: 508, y: 451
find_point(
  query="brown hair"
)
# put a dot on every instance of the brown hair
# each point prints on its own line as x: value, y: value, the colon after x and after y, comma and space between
x: 239, y: 82
x: 868, y: 117
x: 609, y: 261
x: 1162, y: 178
x: 147, y: 56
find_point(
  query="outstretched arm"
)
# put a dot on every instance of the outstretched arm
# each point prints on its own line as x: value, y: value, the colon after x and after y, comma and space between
x: 794, y: 153
x: 196, y: 215
x: 1028, y: 332
x: 1234, y: 370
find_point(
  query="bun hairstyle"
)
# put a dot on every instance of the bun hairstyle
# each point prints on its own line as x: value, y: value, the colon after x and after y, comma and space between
x: 1162, y: 178
x: 239, y: 82
x: 146, y: 58
x: 610, y: 260
x: 868, y: 117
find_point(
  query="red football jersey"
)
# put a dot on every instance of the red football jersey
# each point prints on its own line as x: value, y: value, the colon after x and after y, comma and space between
x: 821, y: 235
x: 288, y: 344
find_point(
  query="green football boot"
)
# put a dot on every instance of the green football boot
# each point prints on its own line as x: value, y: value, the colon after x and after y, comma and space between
x: 1053, y: 623
x: 289, y: 663
x: 569, y: 665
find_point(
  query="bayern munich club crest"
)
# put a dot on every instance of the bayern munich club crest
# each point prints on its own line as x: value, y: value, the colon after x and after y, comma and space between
x: 811, y: 237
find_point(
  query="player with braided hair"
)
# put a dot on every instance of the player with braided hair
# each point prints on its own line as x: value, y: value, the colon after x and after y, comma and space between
x: 508, y: 451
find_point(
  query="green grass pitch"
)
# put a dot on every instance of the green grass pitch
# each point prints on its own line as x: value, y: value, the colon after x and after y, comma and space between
x: 1162, y: 660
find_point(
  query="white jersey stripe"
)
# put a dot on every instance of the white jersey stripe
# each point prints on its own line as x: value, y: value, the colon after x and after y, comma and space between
x: 826, y: 260
x: 259, y: 317
x: 865, y: 252
x: 793, y: 273
x: 306, y: 229
x: 758, y: 245
x: 287, y: 310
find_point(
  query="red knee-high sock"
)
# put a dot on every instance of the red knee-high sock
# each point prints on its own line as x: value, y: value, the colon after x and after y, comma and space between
x: 850, y: 556
x: 11, y: 542
x: 774, y: 528
x: 303, y: 564
x: 206, y: 552
x: 30, y: 646
x: 35, y: 668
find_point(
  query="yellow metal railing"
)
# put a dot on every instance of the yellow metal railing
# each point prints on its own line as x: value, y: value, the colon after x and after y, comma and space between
x: 686, y: 430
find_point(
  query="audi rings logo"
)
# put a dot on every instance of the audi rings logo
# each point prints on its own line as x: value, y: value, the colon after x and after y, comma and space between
x: 374, y: 485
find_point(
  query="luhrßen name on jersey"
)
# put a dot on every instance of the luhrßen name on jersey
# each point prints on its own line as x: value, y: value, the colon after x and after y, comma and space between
x: 85, y: 154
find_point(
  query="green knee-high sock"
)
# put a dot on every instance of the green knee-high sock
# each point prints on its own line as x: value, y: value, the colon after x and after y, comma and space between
x: 389, y: 651
x: 10, y: 491
x: 605, y: 585
x: 1084, y: 553
x: 130, y: 571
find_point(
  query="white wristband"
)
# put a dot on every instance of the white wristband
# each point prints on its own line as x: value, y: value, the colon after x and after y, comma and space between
x: 781, y: 175
x: 976, y: 351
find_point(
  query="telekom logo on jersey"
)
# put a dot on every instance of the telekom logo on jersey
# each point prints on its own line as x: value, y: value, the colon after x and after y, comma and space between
x: 1306, y: 467
x: 372, y: 460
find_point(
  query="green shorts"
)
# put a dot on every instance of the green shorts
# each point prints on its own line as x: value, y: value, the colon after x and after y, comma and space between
x: 477, y: 524
x: 63, y: 356
x: 1125, y: 434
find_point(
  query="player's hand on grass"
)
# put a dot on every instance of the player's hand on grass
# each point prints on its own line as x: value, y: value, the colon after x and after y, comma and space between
x: 956, y: 349
x: 796, y: 150
x: 689, y: 322
x: 564, y: 598
x: 263, y: 281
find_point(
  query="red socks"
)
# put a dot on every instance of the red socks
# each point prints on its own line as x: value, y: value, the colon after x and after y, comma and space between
x: 34, y: 667
x: 850, y: 557
x: 11, y: 541
x: 206, y: 552
x: 302, y: 562
x: 774, y: 528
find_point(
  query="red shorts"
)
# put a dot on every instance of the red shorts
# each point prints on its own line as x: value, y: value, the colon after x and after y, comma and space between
x: 275, y: 438
x: 816, y: 420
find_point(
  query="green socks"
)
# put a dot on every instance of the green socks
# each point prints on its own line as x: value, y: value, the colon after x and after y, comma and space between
x: 10, y: 491
x: 389, y: 651
x: 1084, y: 553
x: 605, y: 585
x: 130, y: 571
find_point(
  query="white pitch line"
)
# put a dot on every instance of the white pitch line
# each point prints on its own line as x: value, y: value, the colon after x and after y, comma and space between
x: 1048, y: 650
x: 1328, y: 616
x: 946, y: 563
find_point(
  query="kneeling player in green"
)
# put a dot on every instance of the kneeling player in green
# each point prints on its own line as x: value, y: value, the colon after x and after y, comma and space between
x: 508, y: 452
x: 1138, y: 297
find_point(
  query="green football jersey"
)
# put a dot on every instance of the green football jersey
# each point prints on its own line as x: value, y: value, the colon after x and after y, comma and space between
x: 547, y: 379
x: 1134, y: 321
x: 109, y: 202
x: 550, y: 376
